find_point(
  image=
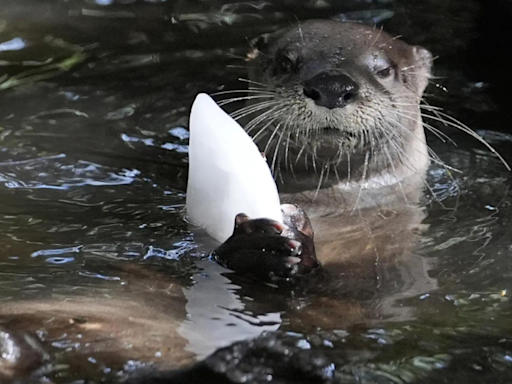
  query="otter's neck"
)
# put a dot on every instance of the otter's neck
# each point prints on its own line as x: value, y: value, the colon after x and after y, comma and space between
x: 393, y: 166
x: 387, y: 180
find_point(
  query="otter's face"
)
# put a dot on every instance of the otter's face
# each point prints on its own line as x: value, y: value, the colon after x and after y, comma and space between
x: 332, y: 88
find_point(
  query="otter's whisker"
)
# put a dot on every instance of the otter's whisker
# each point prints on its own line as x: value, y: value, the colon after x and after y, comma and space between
x: 464, y: 128
x: 272, y: 105
x: 370, y: 137
x: 271, y: 114
x: 436, y: 111
x: 233, y: 56
x: 433, y: 110
x: 435, y: 159
x: 348, y: 166
x: 421, y: 62
x: 254, y: 105
x: 288, y: 163
x: 256, y: 91
x: 328, y: 168
x: 300, y: 153
x: 242, y: 112
x: 269, y: 142
x: 335, y: 169
x: 439, y: 134
x: 313, y: 159
x: 392, y: 165
x: 416, y: 106
x: 339, y: 156
x: 320, y: 180
x: 265, y: 127
x: 405, y: 161
x: 276, y: 150
x: 288, y: 129
x: 300, y: 31
x: 287, y: 152
x: 262, y: 85
x: 363, y: 180
x: 432, y: 157
x: 430, y: 76
x: 387, y: 42
x: 377, y: 38
x: 233, y: 99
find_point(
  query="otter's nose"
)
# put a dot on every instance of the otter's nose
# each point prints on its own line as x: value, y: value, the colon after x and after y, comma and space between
x: 331, y: 89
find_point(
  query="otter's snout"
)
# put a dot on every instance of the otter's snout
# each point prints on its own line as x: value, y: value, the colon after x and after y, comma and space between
x: 331, y: 89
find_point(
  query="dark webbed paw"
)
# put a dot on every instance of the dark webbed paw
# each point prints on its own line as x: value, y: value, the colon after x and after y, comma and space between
x: 267, y: 248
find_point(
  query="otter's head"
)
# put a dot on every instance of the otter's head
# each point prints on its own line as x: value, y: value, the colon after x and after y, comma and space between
x: 333, y: 89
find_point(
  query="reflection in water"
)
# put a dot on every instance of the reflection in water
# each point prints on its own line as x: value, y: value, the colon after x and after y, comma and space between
x: 215, y: 314
x: 98, y: 266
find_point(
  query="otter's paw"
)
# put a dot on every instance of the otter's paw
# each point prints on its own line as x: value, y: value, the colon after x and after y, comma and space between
x: 267, y: 248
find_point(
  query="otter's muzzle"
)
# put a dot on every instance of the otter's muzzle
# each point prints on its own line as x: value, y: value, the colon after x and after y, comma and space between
x: 331, y: 89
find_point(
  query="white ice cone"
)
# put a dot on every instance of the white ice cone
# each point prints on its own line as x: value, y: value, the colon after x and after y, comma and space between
x: 227, y: 173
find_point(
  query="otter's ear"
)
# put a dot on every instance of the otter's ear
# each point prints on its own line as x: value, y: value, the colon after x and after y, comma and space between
x: 260, y: 43
x: 422, y: 56
x: 257, y: 45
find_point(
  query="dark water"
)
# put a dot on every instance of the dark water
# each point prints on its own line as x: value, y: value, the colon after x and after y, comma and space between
x: 93, y: 164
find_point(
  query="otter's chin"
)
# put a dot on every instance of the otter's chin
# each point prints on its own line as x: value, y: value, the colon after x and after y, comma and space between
x: 332, y: 143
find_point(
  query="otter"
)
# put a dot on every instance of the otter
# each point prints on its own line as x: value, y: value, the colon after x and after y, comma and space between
x: 338, y: 117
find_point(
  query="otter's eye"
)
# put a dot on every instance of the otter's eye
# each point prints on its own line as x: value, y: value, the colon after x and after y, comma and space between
x: 385, y: 73
x: 286, y: 65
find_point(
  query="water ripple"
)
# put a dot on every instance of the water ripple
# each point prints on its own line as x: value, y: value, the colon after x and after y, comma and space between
x: 60, y: 173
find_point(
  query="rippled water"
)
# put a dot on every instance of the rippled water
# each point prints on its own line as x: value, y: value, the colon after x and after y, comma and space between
x: 93, y: 163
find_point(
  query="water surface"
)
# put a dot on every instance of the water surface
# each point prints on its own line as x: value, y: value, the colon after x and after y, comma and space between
x: 93, y: 164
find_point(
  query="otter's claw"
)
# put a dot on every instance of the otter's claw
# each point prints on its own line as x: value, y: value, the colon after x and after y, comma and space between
x: 267, y: 248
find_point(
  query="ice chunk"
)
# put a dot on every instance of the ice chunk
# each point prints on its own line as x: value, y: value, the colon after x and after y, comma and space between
x: 227, y: 173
